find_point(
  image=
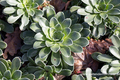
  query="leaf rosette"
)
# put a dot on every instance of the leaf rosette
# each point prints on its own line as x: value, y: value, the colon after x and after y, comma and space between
x: 21, y: 9
x: 99, y: 13
x: 57, y: 37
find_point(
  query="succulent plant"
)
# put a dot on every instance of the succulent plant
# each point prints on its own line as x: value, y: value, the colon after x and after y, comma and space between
x: 112, y: 65
x: 89, y: 76
x: 3, y: 45
x: 10, y: 70
x: 24, y: 9
x: 53, y: 39
x: 99, y: 13
x: 58, y: 38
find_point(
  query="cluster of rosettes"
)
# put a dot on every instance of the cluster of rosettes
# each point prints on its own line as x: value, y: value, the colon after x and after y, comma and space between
x: 24, y: 9
x: 99, y: 13
x: 10, y: 70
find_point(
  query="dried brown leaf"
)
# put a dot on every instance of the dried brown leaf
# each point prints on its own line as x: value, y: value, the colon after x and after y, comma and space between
x: 58, y: 4
x: 13, y: 41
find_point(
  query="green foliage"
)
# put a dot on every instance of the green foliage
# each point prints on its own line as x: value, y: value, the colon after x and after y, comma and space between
x: 4, y: 26
x: 112, y: 65
x: 3, y: 45
x: 99, y: 13
x: 22, y: 9
x: 53, y: 39
x: 10, y: 70
x: 88, y: 74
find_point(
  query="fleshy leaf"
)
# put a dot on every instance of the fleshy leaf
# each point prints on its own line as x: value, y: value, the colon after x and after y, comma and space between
x: 104, y: 58
x: 9, y: 10
x: 114, y: 51
x: 20, y: 12
x: 66, y: 72
x: 114, y: 19
x: 104, y: 15
x: 60, y: 16
x: 49, y: 43
x: 74, y: 9
x: 89, y: 18
x: 74, y: 35
x: 32, y: 52
x: 55, y: 58
x: 24, y: 22
x: 104, y: 69
x: 12, y: 2
x: 114, y: 11
x: 55, y: 48
x: 89, y: 74
x: 68, y: 60
x: 115, y: 41
x: 39, y: 74
x: 66, y: 23
x: 29, y: 40
x: 114, y: 70
x: 82, y: 11
x: 17, y: 74
x: 39, y: 36
x: 76, y: 48
x: 16, y: 64
x: 13, y: 18
x: 82, y: 41
x: 115, y: 63
x: 3, y: 45
x: 48, y: 68
x: 65, y: 51
x: 67, y: 42
x: 2, y: 68
x: 44, y: 52
x: 77, y: 27
x: 7, y: 74
x: 39, y: 62
x: 97, y: 20
x: 89, y: 9
x: 77, y: 77
x: 35, y: 27
x: 38, y: 44
x: 53, y: 22
x: 86, y: 2
x: 85, y: 32
x: 50, y: 13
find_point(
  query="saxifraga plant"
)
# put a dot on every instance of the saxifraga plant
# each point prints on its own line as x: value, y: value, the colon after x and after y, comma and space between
x: 53, y: 40
x: 22, y: 9
x: 101, y: 14
x: 112, y: 60
x: 10, y: 70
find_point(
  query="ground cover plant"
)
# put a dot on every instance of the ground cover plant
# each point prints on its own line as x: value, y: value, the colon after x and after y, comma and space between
x: 59, y: 39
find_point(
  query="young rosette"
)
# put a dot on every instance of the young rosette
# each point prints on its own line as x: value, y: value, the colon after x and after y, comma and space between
x: 99, y: 13
x: 24, y: 9
x: 10, y: 70
x: 112, y: 60
x: 57, y: 38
